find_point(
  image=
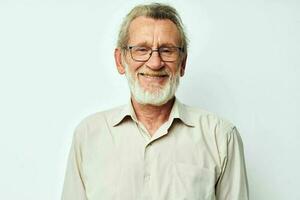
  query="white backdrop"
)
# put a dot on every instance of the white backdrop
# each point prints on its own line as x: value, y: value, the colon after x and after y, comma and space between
x: 56, y: 67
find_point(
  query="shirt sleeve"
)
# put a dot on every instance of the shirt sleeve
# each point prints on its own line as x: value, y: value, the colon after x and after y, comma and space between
x: 74, y: 188
x: 233, y: 183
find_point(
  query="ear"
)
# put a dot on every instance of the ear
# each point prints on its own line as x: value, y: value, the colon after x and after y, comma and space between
x: 182, y: 65
x: 118, y: 61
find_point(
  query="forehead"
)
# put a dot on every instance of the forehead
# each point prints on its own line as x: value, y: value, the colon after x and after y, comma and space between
x: 153, y: 32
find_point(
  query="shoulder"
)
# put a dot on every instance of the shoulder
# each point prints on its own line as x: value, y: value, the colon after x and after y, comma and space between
x: 218, y: 132
x: 207, y: 118
x: 209, y: 123
x: 96, y: 121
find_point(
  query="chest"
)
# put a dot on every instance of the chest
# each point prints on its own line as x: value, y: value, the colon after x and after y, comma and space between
x: 125, y: 165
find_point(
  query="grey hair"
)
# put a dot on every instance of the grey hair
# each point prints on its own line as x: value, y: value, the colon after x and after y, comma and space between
x: 155, y: 11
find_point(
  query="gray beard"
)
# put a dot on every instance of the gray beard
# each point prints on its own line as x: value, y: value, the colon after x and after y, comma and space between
x: 158, y: 97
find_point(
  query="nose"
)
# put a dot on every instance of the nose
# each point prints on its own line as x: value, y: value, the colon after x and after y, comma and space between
x: 155, y: 62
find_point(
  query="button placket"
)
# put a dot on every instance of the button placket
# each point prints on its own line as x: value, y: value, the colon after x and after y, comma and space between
x: 147, y: 169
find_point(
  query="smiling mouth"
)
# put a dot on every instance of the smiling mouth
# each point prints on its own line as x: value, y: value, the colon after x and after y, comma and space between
x: 150, y: 75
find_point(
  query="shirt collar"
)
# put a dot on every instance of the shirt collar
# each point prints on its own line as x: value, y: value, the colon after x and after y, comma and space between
x: 125, y: 111
x: 179, y: 111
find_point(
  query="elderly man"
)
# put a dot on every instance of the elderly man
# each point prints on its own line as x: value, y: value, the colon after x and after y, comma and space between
x: 155, y: 147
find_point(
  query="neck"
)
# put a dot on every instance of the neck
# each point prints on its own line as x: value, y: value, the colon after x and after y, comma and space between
x: 152, y: 117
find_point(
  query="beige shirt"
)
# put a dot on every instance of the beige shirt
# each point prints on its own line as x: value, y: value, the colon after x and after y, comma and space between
x: 195, y: 155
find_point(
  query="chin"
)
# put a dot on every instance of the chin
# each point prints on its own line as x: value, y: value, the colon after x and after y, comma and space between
x: 156, y: 96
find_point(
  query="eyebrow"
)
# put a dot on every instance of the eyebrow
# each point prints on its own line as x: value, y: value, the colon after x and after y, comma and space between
x: 160, y: 45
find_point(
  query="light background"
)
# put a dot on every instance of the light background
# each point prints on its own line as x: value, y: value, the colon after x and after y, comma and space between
x: 56, y: 67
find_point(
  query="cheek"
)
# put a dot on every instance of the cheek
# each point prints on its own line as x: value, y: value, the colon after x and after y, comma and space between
x: 133, y: 66
x: 176, y: 68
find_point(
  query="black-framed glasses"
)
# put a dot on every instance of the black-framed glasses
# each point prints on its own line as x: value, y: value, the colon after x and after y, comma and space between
x: 143, y: 53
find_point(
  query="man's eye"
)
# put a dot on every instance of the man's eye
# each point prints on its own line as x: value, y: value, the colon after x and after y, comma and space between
x: 166, y: 50
x: 141, y: 49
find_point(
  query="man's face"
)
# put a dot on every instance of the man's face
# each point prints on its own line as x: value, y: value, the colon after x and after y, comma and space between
x: 153, y: 81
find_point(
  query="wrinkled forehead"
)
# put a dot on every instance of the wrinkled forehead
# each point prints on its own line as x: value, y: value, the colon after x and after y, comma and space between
x: 153, y: 32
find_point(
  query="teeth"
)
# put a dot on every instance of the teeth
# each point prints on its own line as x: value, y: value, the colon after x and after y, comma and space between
x: 154, y: 75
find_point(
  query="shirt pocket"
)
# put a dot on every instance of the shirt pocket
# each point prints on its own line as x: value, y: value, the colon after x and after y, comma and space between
x: 196, y: 181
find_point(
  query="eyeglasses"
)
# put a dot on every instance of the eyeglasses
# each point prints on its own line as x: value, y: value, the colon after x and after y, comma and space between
x: 143, y: 53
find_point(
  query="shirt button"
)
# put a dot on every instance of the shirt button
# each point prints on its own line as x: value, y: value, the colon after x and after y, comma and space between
x: 147, y: 177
